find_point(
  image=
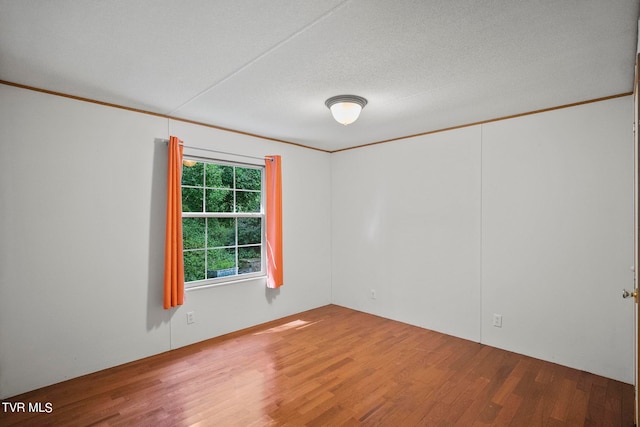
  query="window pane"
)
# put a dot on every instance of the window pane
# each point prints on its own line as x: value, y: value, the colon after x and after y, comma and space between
x: 221, y: 231
x: 247, y: 201
x: 194, y: 266
x: 220, y: 247
x: 219, y: 176
x: 193, y: 175
x: 249, y: 260
x: 193, y: 233
x: 248, y: 179
x: 219, y: 201
x: 221, y: 262
x: 249, y: 231
x: 192, y: 199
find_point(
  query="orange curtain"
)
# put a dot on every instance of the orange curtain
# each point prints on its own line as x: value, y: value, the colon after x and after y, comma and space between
x: 173, y: 261
x: 273, y: 181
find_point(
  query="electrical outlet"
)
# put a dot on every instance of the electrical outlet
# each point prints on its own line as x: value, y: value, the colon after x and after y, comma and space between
x: 497, y: 320
x: 191, y: 317
x: 373, y: 294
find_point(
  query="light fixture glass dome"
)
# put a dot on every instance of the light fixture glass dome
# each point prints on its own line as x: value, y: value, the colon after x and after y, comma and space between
x: 346, y: 108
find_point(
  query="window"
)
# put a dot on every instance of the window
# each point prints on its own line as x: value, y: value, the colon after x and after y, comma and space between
x: 222, y: 222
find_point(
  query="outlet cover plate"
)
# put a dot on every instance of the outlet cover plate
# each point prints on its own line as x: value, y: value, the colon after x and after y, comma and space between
x: 497, y: 320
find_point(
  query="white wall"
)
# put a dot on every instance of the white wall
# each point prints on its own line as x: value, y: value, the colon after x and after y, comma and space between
x: 530, y: 218
x: 82, y: 199
x: 406, y: 223
x: 557, y: 230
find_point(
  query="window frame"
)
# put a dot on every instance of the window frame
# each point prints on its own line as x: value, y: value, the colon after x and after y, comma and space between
x: 215, y: 281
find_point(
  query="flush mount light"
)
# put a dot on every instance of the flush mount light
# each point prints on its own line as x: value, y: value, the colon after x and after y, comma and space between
x: 346, y: 108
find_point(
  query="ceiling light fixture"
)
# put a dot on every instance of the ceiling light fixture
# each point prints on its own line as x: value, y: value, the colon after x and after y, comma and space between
x: 346, y: 108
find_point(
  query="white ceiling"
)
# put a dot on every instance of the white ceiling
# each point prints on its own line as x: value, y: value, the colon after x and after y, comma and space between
x: 266, y: 67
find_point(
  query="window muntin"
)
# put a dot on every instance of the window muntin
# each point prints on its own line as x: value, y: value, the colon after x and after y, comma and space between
x: 222, y: 222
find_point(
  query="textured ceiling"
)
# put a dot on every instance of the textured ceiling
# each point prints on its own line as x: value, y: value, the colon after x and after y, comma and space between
x: 266, y: 67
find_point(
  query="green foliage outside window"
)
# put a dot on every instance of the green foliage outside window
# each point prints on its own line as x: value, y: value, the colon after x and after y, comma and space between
x: 214, y: 246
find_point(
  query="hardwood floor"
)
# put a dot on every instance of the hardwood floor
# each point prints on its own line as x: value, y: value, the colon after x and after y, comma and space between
x: 333, y: 366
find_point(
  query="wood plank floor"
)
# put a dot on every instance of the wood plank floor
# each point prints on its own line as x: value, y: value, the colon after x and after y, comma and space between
x: 330, y: 367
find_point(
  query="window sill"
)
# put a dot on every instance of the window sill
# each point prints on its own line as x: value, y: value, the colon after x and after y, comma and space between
x: 234, y: 281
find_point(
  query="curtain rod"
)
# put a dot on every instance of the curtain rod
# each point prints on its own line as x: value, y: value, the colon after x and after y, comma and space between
x: 166, y: 141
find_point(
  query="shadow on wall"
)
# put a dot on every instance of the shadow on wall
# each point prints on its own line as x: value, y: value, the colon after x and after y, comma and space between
x: 156, y: 314
x: 271, y: 294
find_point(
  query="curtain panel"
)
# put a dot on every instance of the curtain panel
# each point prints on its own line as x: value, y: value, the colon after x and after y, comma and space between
x: 273, y: 182
x: 173, y: 261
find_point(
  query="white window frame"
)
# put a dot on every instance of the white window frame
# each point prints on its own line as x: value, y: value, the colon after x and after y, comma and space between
x: 263, y: 266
